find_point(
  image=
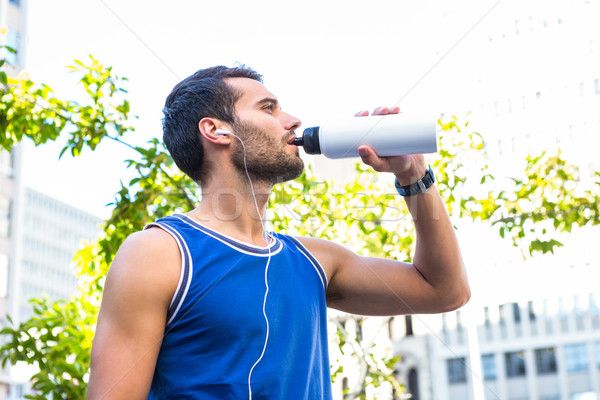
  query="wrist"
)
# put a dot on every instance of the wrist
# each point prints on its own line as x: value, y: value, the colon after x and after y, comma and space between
x: 412, y: 175
x: 419, y: 186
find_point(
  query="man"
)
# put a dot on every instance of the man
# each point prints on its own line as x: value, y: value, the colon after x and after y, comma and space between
x: 207, y: 305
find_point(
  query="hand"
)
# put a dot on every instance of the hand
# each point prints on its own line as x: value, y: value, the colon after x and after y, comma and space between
x: 408, y: 169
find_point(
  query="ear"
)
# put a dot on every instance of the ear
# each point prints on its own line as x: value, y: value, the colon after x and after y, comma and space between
x: 209, y: 127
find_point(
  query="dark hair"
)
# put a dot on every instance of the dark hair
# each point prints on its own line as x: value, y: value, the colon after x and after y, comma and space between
x: 203, y: 94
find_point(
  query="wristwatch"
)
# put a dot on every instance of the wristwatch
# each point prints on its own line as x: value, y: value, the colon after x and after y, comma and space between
x: 419, y: 186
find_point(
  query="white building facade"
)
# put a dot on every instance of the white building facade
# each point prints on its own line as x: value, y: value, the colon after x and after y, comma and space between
x: 532, y: 329
x: 531, y: 83
x: 537, y: 346
x: 13, y: 24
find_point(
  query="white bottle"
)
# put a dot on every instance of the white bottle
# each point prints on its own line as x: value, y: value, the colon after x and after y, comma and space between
x: 388, y: 135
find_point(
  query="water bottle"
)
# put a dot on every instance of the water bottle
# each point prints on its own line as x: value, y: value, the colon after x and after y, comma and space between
x: 388, y: 135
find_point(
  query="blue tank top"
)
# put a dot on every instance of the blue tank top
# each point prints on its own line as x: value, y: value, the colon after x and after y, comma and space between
x: 215, y: 334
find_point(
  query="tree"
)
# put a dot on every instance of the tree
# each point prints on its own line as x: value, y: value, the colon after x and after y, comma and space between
x: 365, y: 215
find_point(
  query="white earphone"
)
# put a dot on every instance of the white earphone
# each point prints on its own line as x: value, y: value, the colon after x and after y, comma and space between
x: 222, y: 132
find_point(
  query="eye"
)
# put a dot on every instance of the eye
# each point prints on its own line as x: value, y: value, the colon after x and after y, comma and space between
x: 269, y: 107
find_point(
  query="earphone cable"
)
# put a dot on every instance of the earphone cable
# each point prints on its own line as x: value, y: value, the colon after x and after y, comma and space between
x: 266, y: 238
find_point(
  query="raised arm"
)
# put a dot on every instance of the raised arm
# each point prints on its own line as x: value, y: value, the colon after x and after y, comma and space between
x: 436, y: 281
x: 131, y: 323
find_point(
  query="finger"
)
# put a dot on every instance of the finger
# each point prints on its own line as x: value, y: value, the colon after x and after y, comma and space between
x: 361, y: 114
x: 395, y: 110
x: 381, y: 111
x: 369, y: 157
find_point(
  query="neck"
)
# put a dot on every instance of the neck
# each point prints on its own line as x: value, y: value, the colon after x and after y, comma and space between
x: 236, y: 210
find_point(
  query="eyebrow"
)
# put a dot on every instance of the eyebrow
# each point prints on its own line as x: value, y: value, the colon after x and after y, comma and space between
x: 267, y: 100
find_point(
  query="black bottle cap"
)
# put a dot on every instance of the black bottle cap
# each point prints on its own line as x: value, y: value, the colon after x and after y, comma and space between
x: 311, y: 140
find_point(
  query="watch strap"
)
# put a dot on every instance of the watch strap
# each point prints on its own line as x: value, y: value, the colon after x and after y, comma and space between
x: 419, y: 186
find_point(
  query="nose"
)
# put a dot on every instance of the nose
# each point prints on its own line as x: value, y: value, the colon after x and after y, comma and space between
x: 291, y: 122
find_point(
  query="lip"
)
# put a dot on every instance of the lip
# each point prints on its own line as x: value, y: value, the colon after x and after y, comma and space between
x: 291, y: 139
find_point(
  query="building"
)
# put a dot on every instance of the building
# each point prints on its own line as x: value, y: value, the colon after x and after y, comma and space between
x: 13, y: 23
x: 532, y: 329
x: 529, y: 75
x: 51, y: 233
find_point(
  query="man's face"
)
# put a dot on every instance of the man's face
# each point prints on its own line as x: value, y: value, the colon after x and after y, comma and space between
x: 267, y: 133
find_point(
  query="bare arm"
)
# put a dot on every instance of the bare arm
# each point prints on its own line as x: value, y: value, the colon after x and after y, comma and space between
x: 436, y: 281
x: 131, y: 323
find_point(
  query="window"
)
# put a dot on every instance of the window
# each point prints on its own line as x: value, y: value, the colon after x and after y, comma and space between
x: 515, y: 364
x: 598, y: 354
x: 593, y: 308
x: 457, y: 371
x: 12, y: 41
x: 516, y: 312
x: 459, y: 324
x: 531, y: 310
x: 6, y: 162
x: 408, y: 325
x: 502, y: 314
x: 486, y: 314
x: 488, y: 367
x: 576, y: 357
x: 584, y: 396
x: 3, y: 275
x: 545, y: 361
x: 4, y: 216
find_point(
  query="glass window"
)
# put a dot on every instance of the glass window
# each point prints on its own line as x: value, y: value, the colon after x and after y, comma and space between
x: 4, y: 216
x: 584, y: 396
x: 516, y: 311
x: 576, y: 357
x: 457, y: 371
x: 502, y: 314
x: 486, y: 314
x: 12, y: 41
x: 545, y: 361
x: 515, y: 363
x: 598, y: 354
x: 6, y: 161
x: 488, y: 366
x: 531, y: 311
x: 3, y: 275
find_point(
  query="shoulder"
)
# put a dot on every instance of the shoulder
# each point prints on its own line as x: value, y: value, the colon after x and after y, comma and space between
x: 139, y: 286
x: 147, y: 261
x: 152, y: 246
x: 329, y: 254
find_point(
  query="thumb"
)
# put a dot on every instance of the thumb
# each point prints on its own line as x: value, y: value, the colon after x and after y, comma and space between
x: 369, y: 157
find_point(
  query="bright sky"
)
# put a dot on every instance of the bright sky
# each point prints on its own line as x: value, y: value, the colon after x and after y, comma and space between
x: 319, y: 57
